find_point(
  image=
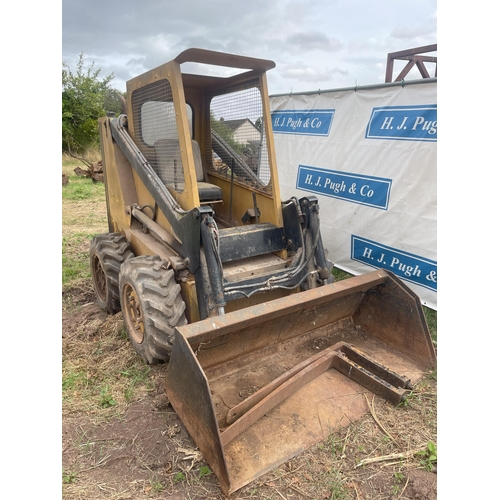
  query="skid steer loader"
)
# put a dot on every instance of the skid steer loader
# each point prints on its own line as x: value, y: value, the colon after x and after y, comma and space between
x: 229, y: 285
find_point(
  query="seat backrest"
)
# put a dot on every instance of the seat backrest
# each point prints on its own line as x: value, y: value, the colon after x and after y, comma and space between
x: 198, y: 164
x: 168, y: 163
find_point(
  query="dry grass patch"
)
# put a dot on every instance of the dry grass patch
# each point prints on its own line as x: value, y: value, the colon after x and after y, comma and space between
x: 85, y: 217
x: 101, y: 374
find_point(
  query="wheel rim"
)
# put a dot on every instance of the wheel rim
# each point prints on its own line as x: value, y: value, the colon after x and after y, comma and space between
x: 132, y: 312
x: 99, y: 278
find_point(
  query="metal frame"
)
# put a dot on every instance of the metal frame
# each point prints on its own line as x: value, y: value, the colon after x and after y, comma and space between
x: 414, y: 59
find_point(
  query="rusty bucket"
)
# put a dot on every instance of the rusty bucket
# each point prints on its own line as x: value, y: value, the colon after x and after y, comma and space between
x: 257, y: 386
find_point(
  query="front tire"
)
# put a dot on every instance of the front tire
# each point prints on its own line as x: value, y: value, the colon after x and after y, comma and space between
x: 107, y: 254
x: 152, y: 306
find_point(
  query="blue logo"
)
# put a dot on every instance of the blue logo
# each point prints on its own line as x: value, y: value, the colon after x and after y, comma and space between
x: 362, y: 189
x: 317, y: 122
x: 409, y: 267
x: 403, y: 123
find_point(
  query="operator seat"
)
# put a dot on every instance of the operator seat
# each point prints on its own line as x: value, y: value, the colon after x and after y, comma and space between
x: 169, y: 168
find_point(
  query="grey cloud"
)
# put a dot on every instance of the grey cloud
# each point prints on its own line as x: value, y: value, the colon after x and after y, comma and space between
x: 112, y: 25
x: 402, y: 32
x: 127, y: 37
x: 314, y: 40
x: 307, y: 73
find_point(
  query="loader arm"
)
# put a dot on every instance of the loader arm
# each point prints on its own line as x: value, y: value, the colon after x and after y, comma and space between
x: 185, y: 224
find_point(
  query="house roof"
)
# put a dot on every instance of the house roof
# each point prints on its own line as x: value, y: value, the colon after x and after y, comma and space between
x: 236, y: 124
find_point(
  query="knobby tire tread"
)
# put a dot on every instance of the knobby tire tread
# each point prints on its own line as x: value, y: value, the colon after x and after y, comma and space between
x: 162, y: 305
x: 113, y: 250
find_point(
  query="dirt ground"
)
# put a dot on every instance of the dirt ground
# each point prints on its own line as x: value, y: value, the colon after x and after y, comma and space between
x: 138, y: 448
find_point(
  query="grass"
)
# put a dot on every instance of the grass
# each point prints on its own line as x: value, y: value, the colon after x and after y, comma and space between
x: 83, y: 216
x: 82, y: 188
x: 91, y: 155
x: 136, y: 376
x: 75, y: 251
x: 100, y: 371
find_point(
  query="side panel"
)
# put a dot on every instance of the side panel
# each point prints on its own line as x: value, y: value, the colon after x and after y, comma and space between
x: 118, y: 180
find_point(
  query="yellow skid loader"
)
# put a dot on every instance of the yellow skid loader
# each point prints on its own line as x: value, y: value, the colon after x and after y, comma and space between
x: 231, y: 286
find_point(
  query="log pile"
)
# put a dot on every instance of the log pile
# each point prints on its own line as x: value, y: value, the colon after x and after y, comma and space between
x: 94, y: 171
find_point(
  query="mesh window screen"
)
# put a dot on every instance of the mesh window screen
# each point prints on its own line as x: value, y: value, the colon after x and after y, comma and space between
x: 238, y: 137
x: 156, y: 131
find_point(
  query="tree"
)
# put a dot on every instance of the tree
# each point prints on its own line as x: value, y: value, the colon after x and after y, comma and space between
x: 114, y: 101
x: 83, y: 102
x: 225, y: 132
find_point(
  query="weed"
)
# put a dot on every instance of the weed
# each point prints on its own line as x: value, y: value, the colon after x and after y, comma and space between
x: 204, y: 471
x: 395, y: 489
x: 335, y: 445
x: 179, y: 477
x: 156, y: 486
x: 106, y: 400
x: 399, y: 477
x: 69, y: 303
x: 338, y: 491
x: 406, y: 401
x: 83, y: 440
x: 428, y: 456
x: 68, y: 477
x: 128, y: 392
x: 137, y: 373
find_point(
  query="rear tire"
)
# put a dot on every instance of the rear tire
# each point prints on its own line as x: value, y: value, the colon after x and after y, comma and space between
x: 152, y: 306
x: 107, y: 254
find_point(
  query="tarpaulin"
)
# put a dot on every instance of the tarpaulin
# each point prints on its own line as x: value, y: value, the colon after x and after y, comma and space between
x: 369, y: 155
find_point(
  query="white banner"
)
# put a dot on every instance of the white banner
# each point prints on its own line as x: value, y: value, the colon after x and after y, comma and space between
x: 369, y: 155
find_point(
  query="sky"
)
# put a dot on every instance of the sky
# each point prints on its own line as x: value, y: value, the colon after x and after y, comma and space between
x: 320, y: 44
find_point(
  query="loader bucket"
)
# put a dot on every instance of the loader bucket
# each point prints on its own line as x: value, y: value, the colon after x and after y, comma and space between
x: 257, y: 386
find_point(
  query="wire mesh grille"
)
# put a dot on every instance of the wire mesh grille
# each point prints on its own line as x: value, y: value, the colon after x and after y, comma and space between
x: 238, y: 139
x: 156, y: 131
